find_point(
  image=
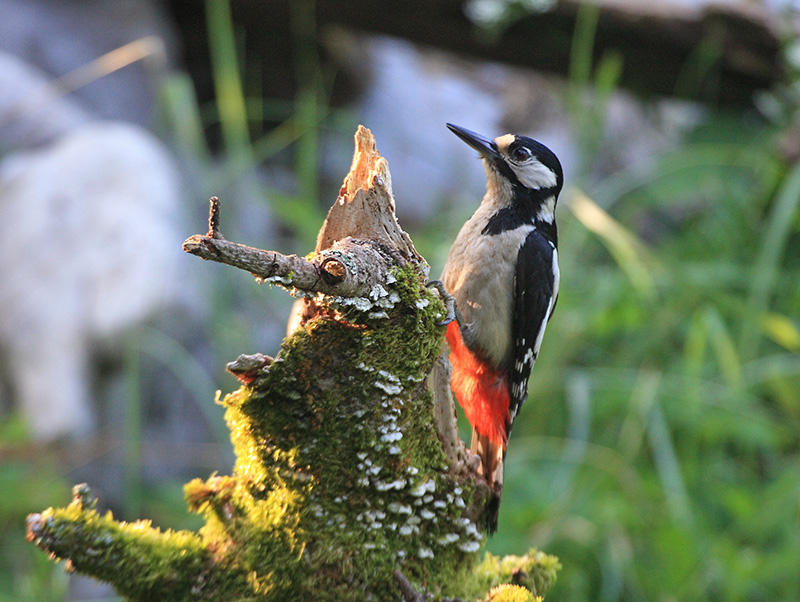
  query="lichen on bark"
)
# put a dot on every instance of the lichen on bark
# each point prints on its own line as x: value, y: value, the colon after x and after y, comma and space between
x: 343, y: 474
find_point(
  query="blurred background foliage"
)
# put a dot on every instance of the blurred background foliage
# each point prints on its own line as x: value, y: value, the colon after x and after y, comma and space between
x: 658, y: 455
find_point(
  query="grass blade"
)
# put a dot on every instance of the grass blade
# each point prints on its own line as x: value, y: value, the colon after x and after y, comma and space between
x: 767, y: 264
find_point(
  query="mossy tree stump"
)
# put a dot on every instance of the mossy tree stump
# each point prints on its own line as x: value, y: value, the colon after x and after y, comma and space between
x: 350, y: 481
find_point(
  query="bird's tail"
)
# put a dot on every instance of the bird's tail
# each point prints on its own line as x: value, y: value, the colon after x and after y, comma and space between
x: 492, y: 455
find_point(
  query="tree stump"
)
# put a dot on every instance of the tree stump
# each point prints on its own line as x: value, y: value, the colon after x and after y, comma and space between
x: 348, y: 467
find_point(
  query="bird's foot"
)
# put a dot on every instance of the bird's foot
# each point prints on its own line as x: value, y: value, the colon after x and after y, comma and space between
x: 449, y: 302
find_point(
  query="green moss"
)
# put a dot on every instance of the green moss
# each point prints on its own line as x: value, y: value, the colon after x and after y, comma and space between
x: 143, y: 562
x: 339, y: 478
x: 536, y: 571
x: 363, y: 478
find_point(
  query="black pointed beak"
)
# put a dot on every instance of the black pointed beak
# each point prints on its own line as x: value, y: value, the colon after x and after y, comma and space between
x: 487, y: 148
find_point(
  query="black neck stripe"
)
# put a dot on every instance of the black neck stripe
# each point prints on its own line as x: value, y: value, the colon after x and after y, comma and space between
x: 519, y: 214
x: 523, y: 209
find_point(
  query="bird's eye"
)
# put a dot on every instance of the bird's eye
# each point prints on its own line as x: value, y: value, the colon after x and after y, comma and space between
x: 521, y: 153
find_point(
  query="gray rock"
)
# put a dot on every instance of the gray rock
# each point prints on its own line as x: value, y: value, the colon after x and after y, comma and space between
x: 32, y: 111
x: 60, y: 36
x: 89, y: 244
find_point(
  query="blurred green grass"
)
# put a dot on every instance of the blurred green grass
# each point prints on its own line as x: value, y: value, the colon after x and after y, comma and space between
x: 658, y: 453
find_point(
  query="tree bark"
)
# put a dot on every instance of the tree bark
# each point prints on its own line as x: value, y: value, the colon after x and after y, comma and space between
x: 348, y: 467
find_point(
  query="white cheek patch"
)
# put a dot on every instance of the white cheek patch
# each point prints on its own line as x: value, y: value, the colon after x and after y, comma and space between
x: 534, y: 175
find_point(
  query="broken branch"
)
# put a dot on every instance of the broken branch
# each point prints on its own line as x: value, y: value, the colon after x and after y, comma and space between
x: 351, y: 268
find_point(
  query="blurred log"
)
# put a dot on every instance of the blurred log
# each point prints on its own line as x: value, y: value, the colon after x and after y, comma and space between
x: 659, y: 42
x: 714, y: 53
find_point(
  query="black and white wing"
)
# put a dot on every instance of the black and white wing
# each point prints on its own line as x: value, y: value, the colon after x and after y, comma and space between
x: 536, y: 291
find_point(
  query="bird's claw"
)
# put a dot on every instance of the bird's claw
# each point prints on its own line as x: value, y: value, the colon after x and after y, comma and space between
x: 449, y: 300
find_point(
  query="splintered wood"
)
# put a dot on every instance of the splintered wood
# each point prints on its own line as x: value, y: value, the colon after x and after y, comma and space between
x: 365, y: 208
x: 367, y: 163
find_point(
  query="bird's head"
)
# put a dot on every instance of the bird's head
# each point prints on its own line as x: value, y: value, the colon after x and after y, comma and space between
x: 517, y: 167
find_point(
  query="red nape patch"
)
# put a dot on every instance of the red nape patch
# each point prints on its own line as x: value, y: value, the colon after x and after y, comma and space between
x: 480, y: 389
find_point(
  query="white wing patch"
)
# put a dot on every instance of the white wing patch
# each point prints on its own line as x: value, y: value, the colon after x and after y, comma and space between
x: 547, y: 212
x: 556, y: 275
x: 556, y: 279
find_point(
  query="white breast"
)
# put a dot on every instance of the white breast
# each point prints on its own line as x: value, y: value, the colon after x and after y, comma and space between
x: 479, y: 273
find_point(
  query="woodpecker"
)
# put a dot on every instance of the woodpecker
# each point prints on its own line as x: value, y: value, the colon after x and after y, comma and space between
x: 503, y: 272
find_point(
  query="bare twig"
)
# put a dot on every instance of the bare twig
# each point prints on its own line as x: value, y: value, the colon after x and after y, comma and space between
x: 342, y: 265
x: 213, y: 218
x: 351, y: 268
x: 407, y: 590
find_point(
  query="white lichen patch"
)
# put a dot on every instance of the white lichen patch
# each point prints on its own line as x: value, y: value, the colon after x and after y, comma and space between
x: 392, y: 436
x: 390, y: 388
x: 359, y: 303
x: 422, y: 303
x: 389, y: 301
x: 389, y: 431
x: 282, y: 280
x: 448, y: 538
x: 420, y: 489
x: 387, y: 485
x: 398, y: 508
x: 378, y: 298
x: 469, y: 546
x: 390, y: 384
x: 388, y: 376
x: 425, y: 553
x: 377, y: 292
